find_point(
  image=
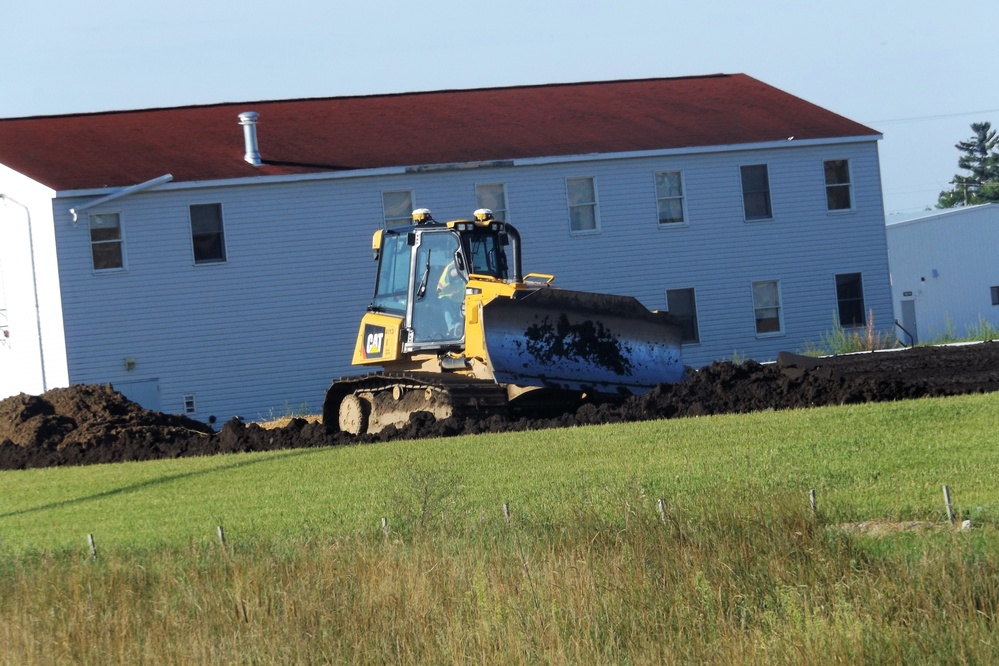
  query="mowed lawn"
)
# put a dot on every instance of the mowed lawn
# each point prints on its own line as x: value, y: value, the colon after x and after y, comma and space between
x: 865, y: 462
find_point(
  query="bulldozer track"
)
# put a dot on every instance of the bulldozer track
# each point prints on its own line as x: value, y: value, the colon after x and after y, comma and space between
x: 369, y: 398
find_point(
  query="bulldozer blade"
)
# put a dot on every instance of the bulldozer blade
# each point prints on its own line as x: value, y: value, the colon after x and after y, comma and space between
x: 581, y: 341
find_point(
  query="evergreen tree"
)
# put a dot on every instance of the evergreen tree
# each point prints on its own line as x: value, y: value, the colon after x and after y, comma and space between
x: 981, y: 158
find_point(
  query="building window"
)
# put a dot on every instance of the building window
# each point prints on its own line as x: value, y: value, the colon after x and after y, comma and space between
x: 669, y: 197
x: 583, y: 214
x: 397, y: 206
x: 106, y: 245
x: 680, y: 303
x: 995, y: 295
x: 207, y: 236
x: 493, y: 197
x: 766, y: 305
x: 756, y: 192
x: 838, y: 185
x: 850, y: 299
x: 190, y: 406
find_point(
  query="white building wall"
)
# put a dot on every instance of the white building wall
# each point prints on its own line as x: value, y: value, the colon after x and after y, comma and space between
x: 265, y: 332
x: 33, y: 353
x: 945, y: 264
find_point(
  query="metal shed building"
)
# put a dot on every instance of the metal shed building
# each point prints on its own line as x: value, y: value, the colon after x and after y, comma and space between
x: 945, y: 277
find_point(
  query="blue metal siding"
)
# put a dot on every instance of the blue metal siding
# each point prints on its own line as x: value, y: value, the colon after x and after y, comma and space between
x: 260, y: 334
x: 266, y: 331
x: 717, y: 253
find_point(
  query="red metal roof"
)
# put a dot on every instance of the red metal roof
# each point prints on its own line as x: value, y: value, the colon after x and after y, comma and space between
x: 452, y: 126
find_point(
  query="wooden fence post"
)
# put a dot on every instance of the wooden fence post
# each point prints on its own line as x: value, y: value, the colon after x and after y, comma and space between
x: 950, y: 509
x: 221, y: 533
x: 93, y: 546
x: 506, y: 512
x: 812, y: 502
x: 661, y: 507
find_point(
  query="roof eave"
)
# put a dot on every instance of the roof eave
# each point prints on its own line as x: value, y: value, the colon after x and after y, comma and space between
x: 461, y: 166
x: 672, y: 152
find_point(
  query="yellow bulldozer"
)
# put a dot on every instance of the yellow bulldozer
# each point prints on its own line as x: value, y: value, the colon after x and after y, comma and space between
x: 460, y: 331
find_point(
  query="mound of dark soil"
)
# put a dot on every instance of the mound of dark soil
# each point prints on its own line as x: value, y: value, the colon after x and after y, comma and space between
x: 94, y: 424
x: 89, y: 424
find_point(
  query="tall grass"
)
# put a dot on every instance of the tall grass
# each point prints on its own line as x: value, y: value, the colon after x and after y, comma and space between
x: 741, y: 579
x: 981, y: 331
x: 848, y: 340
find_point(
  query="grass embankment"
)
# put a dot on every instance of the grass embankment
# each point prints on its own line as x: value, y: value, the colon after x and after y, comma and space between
x: 736, y: 569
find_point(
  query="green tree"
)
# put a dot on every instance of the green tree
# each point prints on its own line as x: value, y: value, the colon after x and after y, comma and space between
x: 980, y: 157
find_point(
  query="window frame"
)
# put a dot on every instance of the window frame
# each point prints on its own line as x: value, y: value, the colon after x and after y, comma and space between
x: 221, y: 235
x: 779, y: 306
x: 848, y: 185
x: 683, y: 221
x: 502, y: 214
x: 396, y: 221
x: 768, y: 192
x: 685, y: 319
x: 842, y: 301
x: 593, y: 204
x: 995, y: 295
x: 120, y: 241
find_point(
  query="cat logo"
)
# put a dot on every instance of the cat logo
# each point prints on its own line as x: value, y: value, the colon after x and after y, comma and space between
x: 374, y: 339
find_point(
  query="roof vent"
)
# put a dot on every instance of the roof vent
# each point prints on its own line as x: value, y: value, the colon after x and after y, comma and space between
x: 248, y: 119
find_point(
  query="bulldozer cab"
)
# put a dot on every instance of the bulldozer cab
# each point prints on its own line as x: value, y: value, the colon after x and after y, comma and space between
x: 423, y: 270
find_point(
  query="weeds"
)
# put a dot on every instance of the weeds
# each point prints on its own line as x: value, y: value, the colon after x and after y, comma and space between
x: 982, y: 331
x: 425, y: 496
x: 289, y: 412
x: 848, y: 340
x: 743, y: 579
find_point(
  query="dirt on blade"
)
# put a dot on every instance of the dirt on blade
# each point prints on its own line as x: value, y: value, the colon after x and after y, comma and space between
x: 90, y: 424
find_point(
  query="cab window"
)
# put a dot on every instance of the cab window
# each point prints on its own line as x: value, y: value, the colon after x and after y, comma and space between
x: 439, y: 290
x: 486, y: 255
x: 392, y: 286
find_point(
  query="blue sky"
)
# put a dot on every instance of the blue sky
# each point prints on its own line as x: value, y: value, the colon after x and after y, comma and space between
x: 918, y: 71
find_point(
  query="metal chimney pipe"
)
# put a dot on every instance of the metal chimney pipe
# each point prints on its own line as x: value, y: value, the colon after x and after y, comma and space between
x: 248, y: 119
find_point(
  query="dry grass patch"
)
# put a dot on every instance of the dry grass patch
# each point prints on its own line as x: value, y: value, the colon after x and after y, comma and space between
x: 285, y: 420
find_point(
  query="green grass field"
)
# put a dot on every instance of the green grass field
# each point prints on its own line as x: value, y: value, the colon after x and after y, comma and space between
x: 736, y: 569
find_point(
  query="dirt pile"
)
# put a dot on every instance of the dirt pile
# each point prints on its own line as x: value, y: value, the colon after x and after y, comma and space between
x: 95, y: 424
x: 89, y: 424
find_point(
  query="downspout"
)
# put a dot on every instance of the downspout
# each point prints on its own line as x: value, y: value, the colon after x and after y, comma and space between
x: 34, y: 285
x: 124, y: 192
